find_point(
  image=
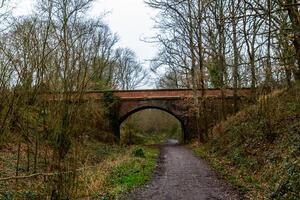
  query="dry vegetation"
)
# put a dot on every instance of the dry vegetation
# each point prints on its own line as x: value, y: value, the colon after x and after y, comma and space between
x: 93, y: 177
x: 258, y: 149
x: 57, y: 49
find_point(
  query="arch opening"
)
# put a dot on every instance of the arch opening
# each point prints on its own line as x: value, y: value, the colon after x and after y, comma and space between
x: 151, y: 125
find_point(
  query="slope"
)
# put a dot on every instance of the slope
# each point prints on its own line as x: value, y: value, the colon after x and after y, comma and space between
x: 258, y: 149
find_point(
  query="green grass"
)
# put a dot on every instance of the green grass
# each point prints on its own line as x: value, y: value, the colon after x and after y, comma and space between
x: 133, y: 173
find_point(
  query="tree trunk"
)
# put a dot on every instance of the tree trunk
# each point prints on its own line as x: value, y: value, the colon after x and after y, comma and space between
x: 193, y: 70
x: 294, y: 16
x: 201, y: 69
x: 236, y: 58
x: 35, y: 153
x: 268, y: 80
x: 28, y: 157
x: 222, y: 61
x: 18, y: 161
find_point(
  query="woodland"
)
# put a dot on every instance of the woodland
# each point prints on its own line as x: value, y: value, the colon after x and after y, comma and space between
x: 48, y: 150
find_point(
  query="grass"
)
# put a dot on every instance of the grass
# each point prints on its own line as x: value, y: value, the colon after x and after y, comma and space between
x: 116, y: 177
x: 104, y: 172
x: 258, y: 149
x: 154, y: 138
x: 133, y: 173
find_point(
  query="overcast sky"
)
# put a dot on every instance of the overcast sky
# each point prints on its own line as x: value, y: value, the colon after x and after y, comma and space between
x: 131, y: 19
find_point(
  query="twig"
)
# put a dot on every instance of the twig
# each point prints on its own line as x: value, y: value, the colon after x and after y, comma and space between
x: 45, y: 174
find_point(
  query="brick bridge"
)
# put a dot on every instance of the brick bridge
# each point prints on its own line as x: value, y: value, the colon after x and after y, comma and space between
x: 173, y: 101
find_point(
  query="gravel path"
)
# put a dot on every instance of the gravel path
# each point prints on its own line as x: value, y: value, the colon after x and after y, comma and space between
x: 183, y: 176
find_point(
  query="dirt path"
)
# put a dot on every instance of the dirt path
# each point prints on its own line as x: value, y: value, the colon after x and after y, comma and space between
x: 183, y: 176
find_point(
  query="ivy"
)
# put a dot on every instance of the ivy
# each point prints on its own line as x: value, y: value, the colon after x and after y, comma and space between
x: 111, y: 104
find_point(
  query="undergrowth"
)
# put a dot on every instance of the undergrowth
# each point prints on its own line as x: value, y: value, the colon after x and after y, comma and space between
x: 103, y: 172
x: 132, y: 173
x: 258, y: 149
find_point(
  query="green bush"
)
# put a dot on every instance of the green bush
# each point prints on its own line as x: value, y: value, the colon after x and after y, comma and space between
x: 6, y: 196
x: 139, y: 152
x: 29, y: 195
x: 237, y: 157
x: 289, y: 188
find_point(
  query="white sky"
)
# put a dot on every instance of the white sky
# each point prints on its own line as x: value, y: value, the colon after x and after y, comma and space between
x: 131, y: 19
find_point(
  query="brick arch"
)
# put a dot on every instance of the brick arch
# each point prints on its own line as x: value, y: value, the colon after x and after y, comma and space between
x: 141, y: 108
x: 169, y: 105
x: 145, y: 107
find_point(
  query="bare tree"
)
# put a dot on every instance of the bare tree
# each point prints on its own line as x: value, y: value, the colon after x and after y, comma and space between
x: 129, y: 72
x: 294, y: 15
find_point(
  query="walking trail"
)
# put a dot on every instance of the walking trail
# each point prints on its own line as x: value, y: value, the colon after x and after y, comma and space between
x: 183, y: 176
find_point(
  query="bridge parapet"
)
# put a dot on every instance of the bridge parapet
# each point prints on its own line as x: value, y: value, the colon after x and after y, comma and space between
x: 152, y: 94
x: 167, y: 93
